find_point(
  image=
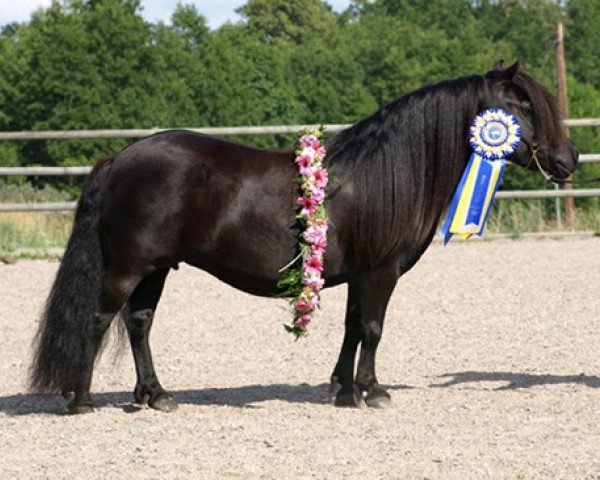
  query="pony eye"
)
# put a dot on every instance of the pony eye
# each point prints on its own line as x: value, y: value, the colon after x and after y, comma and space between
x: 525, y: 106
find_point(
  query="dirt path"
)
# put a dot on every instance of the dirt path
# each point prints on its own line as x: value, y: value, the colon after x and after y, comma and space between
x: 491, y: 351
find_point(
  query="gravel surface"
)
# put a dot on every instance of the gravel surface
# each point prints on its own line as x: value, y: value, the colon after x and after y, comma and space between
x: 490, y: 351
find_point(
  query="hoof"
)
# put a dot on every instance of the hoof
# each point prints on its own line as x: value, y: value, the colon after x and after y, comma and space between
x: 164, y: 404
x: 352, y: 399
x: 378, y: 398
x: 79, y: 408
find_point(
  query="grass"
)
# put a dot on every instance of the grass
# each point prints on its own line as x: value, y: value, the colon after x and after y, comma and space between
x: 33, y: 232
x: 517, y: 217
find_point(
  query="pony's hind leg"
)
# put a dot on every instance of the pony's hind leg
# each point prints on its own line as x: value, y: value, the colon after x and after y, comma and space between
x: 115, y: 290
x: 82, y: 400
x: 138, y: 320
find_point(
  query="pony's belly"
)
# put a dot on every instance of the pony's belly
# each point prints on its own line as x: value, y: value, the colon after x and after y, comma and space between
x: 255, y: 283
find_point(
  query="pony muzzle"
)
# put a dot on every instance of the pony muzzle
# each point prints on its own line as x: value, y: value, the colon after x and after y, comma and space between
x: 562, y: 164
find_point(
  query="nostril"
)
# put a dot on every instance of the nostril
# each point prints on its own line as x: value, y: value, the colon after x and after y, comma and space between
x: 574, y: 151
x: 562, y: 164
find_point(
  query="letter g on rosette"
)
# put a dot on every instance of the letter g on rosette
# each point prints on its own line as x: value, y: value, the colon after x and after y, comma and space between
x: 494, y: 135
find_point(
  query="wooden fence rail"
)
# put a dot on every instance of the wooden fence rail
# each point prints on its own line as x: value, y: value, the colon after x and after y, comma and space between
x: 506, y: 194
x: 76, y: 171
x: 263, y: 130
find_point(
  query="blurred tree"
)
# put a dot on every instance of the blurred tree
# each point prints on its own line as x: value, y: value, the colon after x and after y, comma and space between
x: 583, y: 39
x: 84, y: 64
x: 402, y: 48
x: 190, y: 25
x: 288, y: 20
x: 243, y: 83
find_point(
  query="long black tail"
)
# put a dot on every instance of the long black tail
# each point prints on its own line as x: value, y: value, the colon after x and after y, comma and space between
x: 63, y: 340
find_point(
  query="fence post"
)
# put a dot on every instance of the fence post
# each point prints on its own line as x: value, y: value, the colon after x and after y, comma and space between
x: 563, y: 103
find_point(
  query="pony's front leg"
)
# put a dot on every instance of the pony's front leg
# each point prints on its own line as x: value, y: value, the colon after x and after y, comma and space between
x: 368, y: 297
x: 377, y: 288
x: 343, y: 391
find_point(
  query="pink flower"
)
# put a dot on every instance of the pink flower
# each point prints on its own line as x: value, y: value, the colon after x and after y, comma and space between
x: 320, y: 177
x: 308, y: 205
x: 318, y: 248
x: 316, y: 234
x: 315, y: 282
x: 303, y: 321
x: 318, y: 195
x: 320, y: 151
x: 308, y: 141
x: 304, y: 305
x: 304, y: 162
x: 313, y: 265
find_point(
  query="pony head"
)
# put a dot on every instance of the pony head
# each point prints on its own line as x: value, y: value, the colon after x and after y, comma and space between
x: 544, y: 144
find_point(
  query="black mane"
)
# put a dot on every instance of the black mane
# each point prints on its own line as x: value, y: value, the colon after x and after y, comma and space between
x: 404, y: 163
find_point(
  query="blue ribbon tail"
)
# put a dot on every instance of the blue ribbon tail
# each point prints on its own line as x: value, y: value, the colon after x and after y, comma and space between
x: 445, y: 228
x: 487, y: 214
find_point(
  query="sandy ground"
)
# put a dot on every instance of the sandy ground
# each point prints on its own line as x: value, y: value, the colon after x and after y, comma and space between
x: 490, y: 351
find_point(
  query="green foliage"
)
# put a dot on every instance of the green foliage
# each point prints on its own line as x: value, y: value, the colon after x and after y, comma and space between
x: 287, y: 20
x: 190, y: 25
x: 320, y: 70
x: 82, y: 64
x: 418, y: 43
x: 583, y: 40
x: 527, y: 25
x: 28, y: 194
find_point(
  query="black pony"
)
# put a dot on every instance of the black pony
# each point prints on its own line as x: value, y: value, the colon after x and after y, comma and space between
x: 228, y: 209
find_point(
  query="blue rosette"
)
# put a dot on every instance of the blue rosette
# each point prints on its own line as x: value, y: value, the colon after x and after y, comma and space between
x: 494, y: 135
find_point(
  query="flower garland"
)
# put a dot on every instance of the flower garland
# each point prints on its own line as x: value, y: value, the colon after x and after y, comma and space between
x: 302, y: 278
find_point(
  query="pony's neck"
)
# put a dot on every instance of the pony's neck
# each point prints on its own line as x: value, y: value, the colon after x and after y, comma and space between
x: 434, y: 130
x: 406, y: 160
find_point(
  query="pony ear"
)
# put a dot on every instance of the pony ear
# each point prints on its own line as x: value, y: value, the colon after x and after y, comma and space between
x: 499, y: 65
x: 511, y: 71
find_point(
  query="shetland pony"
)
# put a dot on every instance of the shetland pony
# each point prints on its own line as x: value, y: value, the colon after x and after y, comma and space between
x: 229, y: 209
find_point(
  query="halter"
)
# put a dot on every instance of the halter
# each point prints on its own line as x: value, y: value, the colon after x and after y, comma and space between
x: 532, y: 146
x: 533, y: 149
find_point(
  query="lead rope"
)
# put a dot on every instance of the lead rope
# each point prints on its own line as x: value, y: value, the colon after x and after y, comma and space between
x: 546, y: 175
x: 550, y: 178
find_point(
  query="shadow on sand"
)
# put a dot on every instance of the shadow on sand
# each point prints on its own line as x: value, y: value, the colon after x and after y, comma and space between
x: 240, y: 397
x: 513, y: 381
x: 249, y: 396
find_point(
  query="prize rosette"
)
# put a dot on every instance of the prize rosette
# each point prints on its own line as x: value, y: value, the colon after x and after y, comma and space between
x: 494, y: 135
